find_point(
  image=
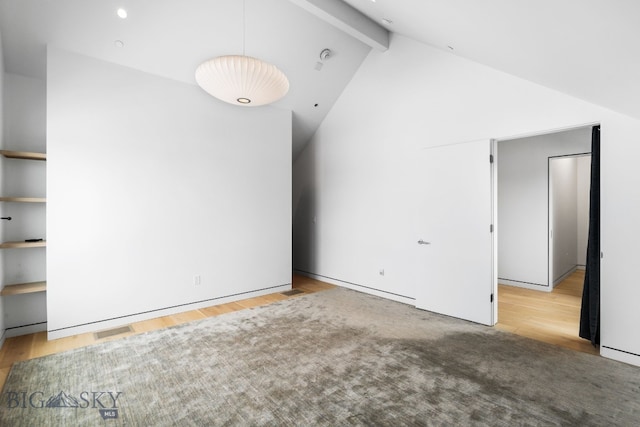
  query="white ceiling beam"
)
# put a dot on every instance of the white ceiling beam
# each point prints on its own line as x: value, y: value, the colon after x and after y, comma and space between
x: 351, y: 21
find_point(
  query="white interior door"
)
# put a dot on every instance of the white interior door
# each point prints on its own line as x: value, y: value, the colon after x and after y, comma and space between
x: 456, y: 241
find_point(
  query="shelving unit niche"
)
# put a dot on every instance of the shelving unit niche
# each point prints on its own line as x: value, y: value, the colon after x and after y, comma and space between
x: 30, y: 287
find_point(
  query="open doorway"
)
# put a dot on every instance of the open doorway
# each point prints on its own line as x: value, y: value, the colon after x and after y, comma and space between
x: 569, y: 185
x: 539, y: 251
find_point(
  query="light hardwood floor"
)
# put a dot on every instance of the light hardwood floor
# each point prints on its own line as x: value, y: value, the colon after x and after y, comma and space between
x: 551, y: 317
x: 36, y: 345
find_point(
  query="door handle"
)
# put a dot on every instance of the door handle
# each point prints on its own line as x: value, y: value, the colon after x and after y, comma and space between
x: 422, y: 242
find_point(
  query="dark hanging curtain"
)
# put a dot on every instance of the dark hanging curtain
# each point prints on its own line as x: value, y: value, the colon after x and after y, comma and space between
x: 590, y: 311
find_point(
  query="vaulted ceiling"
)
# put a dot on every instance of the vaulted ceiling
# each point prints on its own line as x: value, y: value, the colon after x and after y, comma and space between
x: 171, y: 38
x: 589, y: 49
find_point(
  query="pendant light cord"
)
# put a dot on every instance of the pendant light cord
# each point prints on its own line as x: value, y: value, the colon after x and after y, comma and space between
x: 244, y: 26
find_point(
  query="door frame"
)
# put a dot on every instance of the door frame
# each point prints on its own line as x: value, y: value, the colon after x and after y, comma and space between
x: 550, y: 206
x: 495, y: 153
x: 494, y: 235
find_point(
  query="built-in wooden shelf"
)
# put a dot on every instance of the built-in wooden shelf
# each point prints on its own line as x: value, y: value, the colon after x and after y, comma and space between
x: 26, y: 155
x: 24, y: 199
x: 23, y: 244
x: 24, y: 288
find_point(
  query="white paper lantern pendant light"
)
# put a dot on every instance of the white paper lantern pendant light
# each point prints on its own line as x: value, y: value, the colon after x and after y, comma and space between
x: 242, y: 80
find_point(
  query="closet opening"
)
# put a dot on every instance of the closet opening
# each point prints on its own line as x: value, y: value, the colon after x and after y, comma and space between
x: 543, y: 210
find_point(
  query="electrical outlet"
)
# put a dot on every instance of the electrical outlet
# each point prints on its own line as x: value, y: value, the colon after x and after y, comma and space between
x: 197, y: 280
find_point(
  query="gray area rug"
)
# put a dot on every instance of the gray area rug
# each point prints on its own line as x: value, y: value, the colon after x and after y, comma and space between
x: 332, y: 358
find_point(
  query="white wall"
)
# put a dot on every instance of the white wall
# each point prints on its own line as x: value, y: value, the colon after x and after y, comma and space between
x: 24, y: 130
x: 355, y: 177
x: 152, y: 182
x: 584, y: 186
x: 563, y: 189
x: 523, y: 204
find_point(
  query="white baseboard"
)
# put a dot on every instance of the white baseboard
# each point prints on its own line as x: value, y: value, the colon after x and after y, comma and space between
x: 541, y: 287
x: 24, y: 330
x: 359, y: 288
x: 535, y: 287
x: 620, y: 356
x: 125, y: 320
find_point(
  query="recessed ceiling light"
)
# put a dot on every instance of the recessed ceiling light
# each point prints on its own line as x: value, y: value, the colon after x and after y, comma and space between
x: 118, y: 43
x: 387, y: 21
x: 122, y: 13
